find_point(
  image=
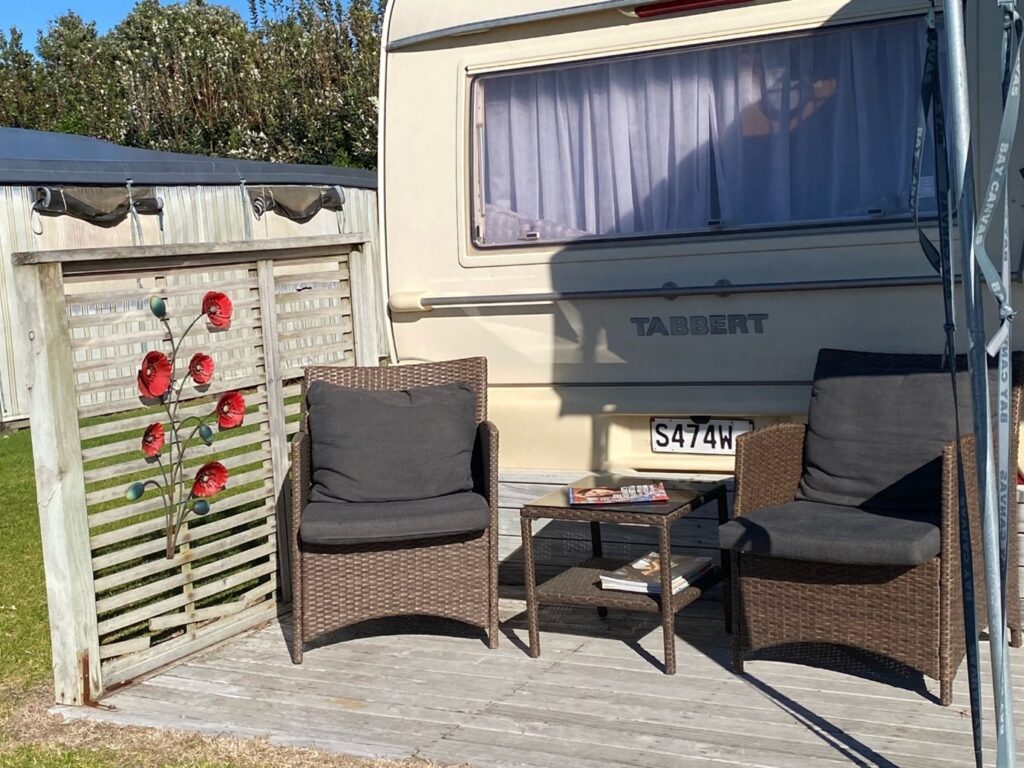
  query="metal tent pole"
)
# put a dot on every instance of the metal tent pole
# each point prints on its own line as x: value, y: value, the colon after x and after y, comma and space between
x: 940, y: 257
x: 978, y: 364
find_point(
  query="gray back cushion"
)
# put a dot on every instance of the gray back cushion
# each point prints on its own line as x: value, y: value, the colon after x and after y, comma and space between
x: 372, y: 445
x: 876, y: 429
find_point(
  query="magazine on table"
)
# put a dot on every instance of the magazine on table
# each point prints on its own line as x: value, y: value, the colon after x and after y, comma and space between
x: 623, y: 494
x: 644, y: 575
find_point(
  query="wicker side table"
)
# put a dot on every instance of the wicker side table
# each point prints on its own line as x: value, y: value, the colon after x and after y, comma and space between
x: 580, y: 586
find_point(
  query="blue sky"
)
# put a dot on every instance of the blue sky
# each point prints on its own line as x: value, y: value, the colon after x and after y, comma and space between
x: 32, y: 15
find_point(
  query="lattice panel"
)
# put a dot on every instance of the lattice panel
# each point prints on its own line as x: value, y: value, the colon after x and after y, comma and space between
x: 314, y: 314
x: 223, y: 576
x: 314, y: 320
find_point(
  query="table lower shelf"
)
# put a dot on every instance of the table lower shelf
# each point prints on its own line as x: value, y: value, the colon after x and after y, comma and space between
x: 580, y: 585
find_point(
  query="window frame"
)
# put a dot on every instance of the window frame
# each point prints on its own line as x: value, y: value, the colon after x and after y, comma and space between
x: 475, y: 167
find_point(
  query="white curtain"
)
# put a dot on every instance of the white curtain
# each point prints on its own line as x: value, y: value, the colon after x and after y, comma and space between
x: 794, y: 129
x: 817, y: 127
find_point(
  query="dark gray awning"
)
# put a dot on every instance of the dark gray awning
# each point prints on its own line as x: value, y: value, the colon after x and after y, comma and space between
x: 41, y: 158
x: 297, y: 203
x: 105, y: 206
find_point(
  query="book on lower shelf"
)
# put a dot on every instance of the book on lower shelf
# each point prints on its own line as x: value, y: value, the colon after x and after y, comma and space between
x: 644, y: 575
x: 623, y: 494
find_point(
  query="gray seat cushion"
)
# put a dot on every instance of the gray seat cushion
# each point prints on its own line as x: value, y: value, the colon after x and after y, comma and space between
x: 876, y: 429
x: 826, y: 533
x: 373, y: 446
x: 336, y: 523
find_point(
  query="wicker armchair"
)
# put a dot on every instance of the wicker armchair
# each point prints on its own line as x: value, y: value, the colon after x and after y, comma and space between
x: 451, y: 576
x: 912, y: 613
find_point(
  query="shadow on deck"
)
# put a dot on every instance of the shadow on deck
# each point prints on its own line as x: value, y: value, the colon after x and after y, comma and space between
x: 595, y: 697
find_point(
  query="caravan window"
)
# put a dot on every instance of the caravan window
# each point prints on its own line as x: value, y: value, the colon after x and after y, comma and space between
x: 781, y: 132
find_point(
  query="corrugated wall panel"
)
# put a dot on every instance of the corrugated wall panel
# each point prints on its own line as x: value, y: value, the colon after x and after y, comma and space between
x: 192, y: 214
x: 15, y: 235
x: 203, y: 214
x: 66, y: 232
x: 272, y: 225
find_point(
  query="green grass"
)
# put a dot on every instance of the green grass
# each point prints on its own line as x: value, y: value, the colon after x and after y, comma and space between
x: 36, y: 756
x: 25, y: 651
x: 24, y: 629
x: 42, y: 756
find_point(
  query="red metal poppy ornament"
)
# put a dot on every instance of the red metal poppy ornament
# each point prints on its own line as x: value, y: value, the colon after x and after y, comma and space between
x: 217, y: 308
x: 158, y: 380
x: 210, y: 480
x: 201, y: 368
x: 154, y: 375
x: 230, y: 410
x: 153, y: 440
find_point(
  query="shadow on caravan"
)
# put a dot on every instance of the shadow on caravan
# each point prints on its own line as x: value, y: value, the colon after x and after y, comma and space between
x: 647, y: 216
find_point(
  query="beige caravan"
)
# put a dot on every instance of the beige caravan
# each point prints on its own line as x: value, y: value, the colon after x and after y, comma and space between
x: 650, y: 216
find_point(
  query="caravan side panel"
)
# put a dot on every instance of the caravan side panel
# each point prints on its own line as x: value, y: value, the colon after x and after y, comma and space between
x: 576, y: 382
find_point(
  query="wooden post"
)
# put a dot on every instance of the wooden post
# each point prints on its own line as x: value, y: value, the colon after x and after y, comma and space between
x: 275, y: 408
x: 365, y: 333
x: 60, y: 483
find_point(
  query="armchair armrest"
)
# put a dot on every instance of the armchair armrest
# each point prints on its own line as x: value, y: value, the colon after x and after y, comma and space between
x: 950, y: 566
x: 485, y: 466
x: 302, y: 480
x: 769, y: 463
x: 950, y: 520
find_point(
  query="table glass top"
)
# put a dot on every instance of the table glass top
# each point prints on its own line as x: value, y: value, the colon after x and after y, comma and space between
x: 680, y: 493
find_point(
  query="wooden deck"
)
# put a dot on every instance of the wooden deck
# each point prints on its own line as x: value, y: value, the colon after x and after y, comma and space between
x: 596, y: 698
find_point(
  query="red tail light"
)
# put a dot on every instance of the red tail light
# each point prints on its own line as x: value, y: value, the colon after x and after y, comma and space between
x: 651, y: 10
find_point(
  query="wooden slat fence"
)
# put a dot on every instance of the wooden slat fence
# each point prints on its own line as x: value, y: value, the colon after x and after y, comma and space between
x: 119, y: 607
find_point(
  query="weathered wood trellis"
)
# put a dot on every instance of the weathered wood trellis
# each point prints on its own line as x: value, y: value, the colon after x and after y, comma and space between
x: 118, y: 607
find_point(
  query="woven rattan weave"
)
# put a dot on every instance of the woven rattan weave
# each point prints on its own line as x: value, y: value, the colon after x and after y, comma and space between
x: 455, y: 577
x: 579, y: 585
x: 911, y: 614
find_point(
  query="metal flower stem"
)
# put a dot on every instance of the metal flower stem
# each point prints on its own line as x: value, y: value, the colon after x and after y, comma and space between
x: 177, y: 506
x: 182, y: 509
x: 159, y: 487
x: 168, y: 502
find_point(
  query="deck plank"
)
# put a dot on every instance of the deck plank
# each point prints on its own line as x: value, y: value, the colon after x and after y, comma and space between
x: 595, y: 698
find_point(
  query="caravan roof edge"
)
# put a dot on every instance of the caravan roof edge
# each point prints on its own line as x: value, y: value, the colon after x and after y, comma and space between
x: 477, y: 26
x: 509, y: 21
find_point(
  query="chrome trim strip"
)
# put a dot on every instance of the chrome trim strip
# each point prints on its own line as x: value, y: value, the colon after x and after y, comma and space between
x: 669, y: 291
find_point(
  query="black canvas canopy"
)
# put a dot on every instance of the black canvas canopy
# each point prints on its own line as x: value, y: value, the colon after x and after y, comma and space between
x: 30, y: 157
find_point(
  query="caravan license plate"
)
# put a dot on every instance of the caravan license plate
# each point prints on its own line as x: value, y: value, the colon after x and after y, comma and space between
x: 715, y: 436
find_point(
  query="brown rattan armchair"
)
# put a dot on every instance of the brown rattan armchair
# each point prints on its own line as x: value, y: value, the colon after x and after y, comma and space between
x: 450, y: 576
x: 796, y: 576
